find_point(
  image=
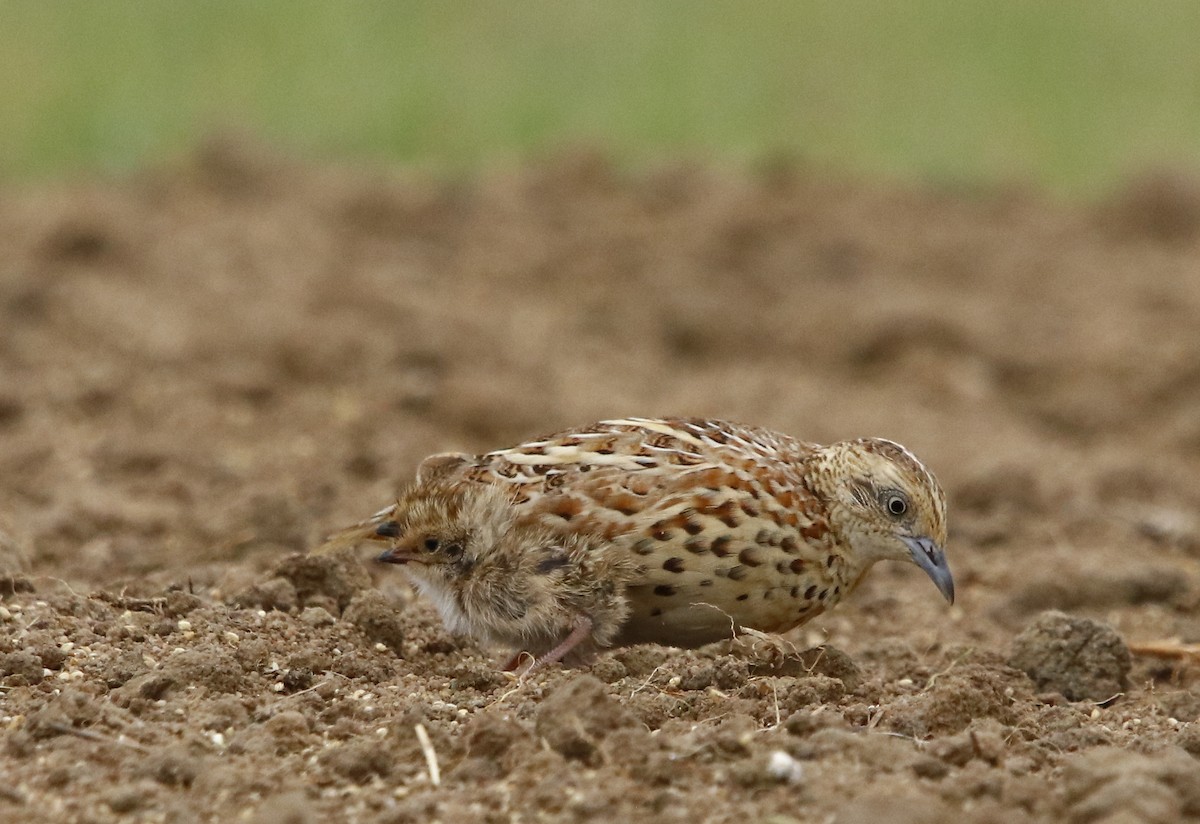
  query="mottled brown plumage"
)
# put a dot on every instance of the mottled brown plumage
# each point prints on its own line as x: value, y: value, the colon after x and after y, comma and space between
x: 675, y: 531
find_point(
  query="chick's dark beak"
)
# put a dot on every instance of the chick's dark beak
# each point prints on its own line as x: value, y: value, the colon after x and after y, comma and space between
x: 395, y: 555
x: 930, y: 557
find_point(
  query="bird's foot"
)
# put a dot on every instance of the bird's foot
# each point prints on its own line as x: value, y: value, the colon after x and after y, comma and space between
x: 581, y: 630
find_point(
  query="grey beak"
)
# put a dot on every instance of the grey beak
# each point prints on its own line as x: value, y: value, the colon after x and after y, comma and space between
x: 930, y: 557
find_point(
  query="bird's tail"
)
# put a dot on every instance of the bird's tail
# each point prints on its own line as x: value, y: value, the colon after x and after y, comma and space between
x: 379, y: 527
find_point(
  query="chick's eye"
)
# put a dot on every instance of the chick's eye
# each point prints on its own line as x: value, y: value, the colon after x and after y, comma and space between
x: 432, y: 544
x: 896, y: 505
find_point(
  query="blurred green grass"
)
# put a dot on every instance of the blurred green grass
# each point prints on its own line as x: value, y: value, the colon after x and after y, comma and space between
x: 1070, y: 94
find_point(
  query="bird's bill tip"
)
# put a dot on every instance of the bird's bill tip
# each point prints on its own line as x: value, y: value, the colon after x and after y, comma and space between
x: 393, y: 556
x: 930, y: 557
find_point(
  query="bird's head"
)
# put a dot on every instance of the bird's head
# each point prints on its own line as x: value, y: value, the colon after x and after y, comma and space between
x: 887, y: 505
x: 443, y: 530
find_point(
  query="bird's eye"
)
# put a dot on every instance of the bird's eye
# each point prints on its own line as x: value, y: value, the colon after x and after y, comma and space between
x: 896, y: 505
x: 432, y: 544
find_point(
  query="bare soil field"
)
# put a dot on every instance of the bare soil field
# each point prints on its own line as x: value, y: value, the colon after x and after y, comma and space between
x: 207, y: 367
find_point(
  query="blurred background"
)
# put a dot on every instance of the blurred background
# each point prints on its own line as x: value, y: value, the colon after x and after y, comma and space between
x: 1071, y: 96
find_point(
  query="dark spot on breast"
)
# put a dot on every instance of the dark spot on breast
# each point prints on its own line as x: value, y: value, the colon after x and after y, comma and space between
x: 665, y: 590
x: 743, y: 596
x: 721, y: 546
x: 822, y: 595
x: 556, y: 560
x: 750, y: 557
x: 750, y: 508
x: 810, y: 593
x: 767, y: 594
x: 644, y: 547
x: 830, y: 561
x: 776, y: 516
x: 693, y: 527
x: 388, y: 529
x: 763, y: 537
x: 795, y: 591
x: 815, y: 531
x: 656, y: 612
x: 660, y: 533
x: 738, y: 572
x: 790, y: 545
x: 626, y: 504
x: 604, y: 446
x: 696, y: 546
x: 673, y: 565
x: 707, y: 582
x: 726, y: 514
x: 797, y: 566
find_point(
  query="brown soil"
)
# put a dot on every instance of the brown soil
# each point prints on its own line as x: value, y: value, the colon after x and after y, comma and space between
x: 205, y: 368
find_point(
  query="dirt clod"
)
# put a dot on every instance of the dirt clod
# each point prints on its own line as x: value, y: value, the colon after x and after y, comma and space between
x: 359, y: 761
x: 275, y: 593
x: 20, y: 668
x: 1155, y: 788
x: 378, y: 618
x: 317, y: 579
x: 286, y: 808
x: 1078, y: 657
x: 577, y: 716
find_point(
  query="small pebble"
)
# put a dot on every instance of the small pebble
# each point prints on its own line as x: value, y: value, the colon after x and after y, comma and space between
x: 785, y: 768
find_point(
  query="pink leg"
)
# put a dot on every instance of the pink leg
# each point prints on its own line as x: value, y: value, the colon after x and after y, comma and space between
x: 579, y: 633
x: 514, y: 661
